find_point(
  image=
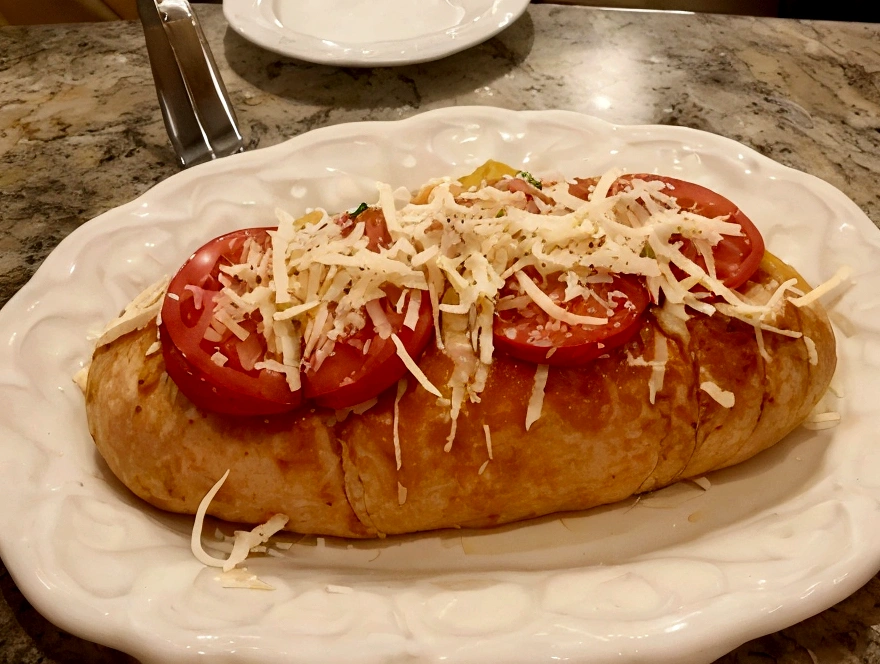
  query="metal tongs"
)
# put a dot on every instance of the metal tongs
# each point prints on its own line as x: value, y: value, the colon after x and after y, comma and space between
x: 198, y: 115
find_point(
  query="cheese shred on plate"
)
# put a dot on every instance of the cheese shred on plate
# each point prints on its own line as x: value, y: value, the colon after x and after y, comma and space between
x: 244, y: 540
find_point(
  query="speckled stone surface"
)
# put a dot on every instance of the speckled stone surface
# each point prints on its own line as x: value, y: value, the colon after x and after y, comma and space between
x: 81, y: 132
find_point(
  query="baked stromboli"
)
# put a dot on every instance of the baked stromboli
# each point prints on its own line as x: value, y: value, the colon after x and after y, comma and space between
x: 715, y: 355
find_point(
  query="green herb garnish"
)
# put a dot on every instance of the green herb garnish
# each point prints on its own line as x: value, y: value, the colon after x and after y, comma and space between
x: 360, y: 208
x: 528, y: 177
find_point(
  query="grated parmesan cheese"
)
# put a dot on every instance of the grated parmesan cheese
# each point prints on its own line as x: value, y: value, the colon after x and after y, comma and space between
x: 820, y: 421
x: 702, y: 482
x: 140, y: 311
x: 240, y: 578
x: 723, y: 397
x: 322, y: 279
x: 196, y: 537
x: 250, y: 540
x: 812, y: 354
x: 833, y: 283
x: 413, y: 367
x: 536, y: 400
x: 244, y: 540
x: 401, y: 390
x: 488, y: 435
x: 81, y: 378
x: 319, y: 282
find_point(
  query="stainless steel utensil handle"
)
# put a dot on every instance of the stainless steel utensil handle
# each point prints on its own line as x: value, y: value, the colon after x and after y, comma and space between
x: 198, y: 115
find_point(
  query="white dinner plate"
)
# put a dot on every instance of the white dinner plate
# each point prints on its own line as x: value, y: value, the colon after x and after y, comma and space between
x: 370, y: 34
x: 683, y: 575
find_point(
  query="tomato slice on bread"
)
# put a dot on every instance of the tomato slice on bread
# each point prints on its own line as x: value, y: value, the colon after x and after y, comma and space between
x: 216, y: 372
x: 528, y: 333
x: 365, y: 363
x: 214, y: 367
x: 736, y: 257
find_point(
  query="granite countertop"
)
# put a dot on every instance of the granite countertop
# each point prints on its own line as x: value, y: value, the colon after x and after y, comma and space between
x: 81, y: 132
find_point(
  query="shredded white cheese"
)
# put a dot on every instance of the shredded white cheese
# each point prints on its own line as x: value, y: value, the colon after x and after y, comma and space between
x: 81, y: 378
x: 822, y: 289
x: 140, y: 311
x: 196, y: 537
x: 554, y: 310
x: 702, y: 482
x: 240, y: 578
x: 811, y: 351
x: 819, y: 421
x: 321, y: 279
x: 488, y: 435
x: 413, y: 367
x: 536, y: 400
x: 401, y: 494
x: 248, y: 540
x: 723, y: 397
x: 401, y: 390
x: 658, y: 366
x: 461, y: 247
x: 244, y: 540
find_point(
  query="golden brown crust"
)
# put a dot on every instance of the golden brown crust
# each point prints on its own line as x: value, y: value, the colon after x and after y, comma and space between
x: 170, y: 454
x: 598, y: 440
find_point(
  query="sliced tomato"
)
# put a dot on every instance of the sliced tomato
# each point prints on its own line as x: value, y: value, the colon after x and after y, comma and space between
x: 736, y: 256
x: 235, y: 388
x: 374, y: 226
x: 363, y: 364
x: 528, y: 333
